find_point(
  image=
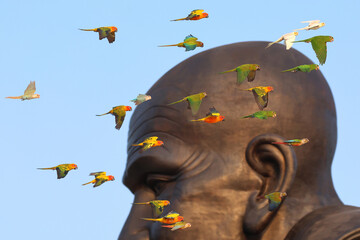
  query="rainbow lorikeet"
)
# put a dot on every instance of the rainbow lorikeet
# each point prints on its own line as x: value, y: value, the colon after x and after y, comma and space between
x: 104, y: 32
x: 170, y: 218
x: 275, y: 199
x: 141, y: 98
x: 62, y: 169
x: 318, y: 43
x: 119, y: 112
x: 157, y: 206
x: 189, y: 43
x: 288, y: 38
x: 29, y: 93
x: 149, y: 143
x: 261, y: 95
x: 212, y: 117
x: 261, y: 115
x: 194, y: 15
x: 178, y: 225
x: 313, y: 25
x: 100, y: 178
x: 303, y: 68
x: 245, y: 71
x: 194, y: 101
x: 294, y: 142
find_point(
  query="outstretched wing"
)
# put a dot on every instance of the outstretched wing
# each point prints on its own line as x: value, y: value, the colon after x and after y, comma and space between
x: 194, y: 13
x: 213, y: 112
x: 190, y: 38
x: 261, y: 99
x: 61, y: 172
x: 147, y: 146
x: 103, y: 32
x: 97, y: 174
x: 119, y: 118
x: 99, y: 181
x: 242, y: 74
x: 158, y: 209
x: 194, y: 102
x: 289, y: 41
x: 311, y: 21
x: 251, y: 76
x: 111, y: 37
x: 189, y: 47
x: 273, y: 205
x: 319, y: 46
x: 171, y: 215
x: 30, y: 90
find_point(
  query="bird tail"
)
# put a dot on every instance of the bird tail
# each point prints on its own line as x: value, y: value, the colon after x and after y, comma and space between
x: 50, y: 168
x: 232, y: 70
x: 142, y: 203
x: 87, y: 183
x: 168, y: 226
x: 137, y: 144
x: 248, y: 116
x: 270, y: 44
x: 260, y: 197
x: 180, y: 19
x: 92, y: 30
x: 177, y: 101
x: 171, y: 45
x: 14, y: 97
x: 300, y: 41
x: 279, y: 143
x: 299, y: 29
x: 152, y: 219
x: 104, y: 114
x: 288, y: 70
x: 198, y: 120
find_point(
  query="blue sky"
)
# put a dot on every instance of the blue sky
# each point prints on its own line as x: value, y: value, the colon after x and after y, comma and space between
x: 79, y: 76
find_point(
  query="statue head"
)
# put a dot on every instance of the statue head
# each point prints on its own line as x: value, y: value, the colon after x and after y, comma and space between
x: 213, y: 173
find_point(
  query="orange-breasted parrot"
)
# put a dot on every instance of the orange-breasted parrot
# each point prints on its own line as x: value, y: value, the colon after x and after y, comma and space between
x: 194, y: 15
x: 119, y: 112
x: 29, y: 93
x: 170, y: 218
x: 303, y: 68
x: 313, y: 25
x: 157, y: 206
x: 275, y: 199
x: 262, y: 115
x: 141, y: 98
x: 261, y: 95
x: 189, y: 43
x: 178, y: 225
x: 212, y: 117
x: 294, y: 142
x: 288, y: 38
x: 194, y: 101
x: 149, y: 143
x: 245, y: 71
x: 62, y: 169
x: 104, y: 32
x: 100, y: 178
x: 318, y: 43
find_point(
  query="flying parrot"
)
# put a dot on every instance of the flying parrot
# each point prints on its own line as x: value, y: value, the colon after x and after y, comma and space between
x: 62, y: 169
x: 194, y: 15
x: 245, y: 71
x: 157, y: 206
x: 313, y: 25
x: 189, y: 43
x: 194, y: 101
x: 178, y: 225
x: 100, y: 178
x: 140, y: 99
x: 288, y: 38
x: 261, y: 95
x: 29, y: 93
x: 104, y: 32
x: 149, y: 143
x: 274, y: 199
x: 119, y: 112
x: 262, y: 115
x: 303, y: 68
x: 170, y: 218
x: 318, y: 43
x: 294, y: 142
x: 212, y: 117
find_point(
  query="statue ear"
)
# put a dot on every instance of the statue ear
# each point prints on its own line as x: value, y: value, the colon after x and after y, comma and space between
x: 276, y: 165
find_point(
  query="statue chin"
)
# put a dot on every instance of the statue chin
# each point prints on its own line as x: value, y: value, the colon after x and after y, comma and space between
x: 213, y: 173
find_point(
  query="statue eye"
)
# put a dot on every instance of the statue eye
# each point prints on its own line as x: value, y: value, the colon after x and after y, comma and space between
x: 158, y: 182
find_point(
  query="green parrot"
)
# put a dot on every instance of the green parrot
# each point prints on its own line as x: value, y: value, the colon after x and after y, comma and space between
x: 261, y: 115
x: 194, y: 101
x: 318, y: 43
x: 119, y: 112
x: 245, y: 71
x: 104, y: 32
x: 141, y: 98
x: 157, y: 206
x: 261, y: 95
x: 303, y: 68
x: 62, y: 169
x: 275, y: 199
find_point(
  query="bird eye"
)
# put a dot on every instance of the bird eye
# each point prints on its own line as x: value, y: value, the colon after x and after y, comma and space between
x: 158, y: 182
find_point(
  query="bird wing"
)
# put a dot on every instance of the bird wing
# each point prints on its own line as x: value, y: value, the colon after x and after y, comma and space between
x: 273, y: 205
x: 319, y: 46
x: 189, y: 47
x: 150, y: 139
x: 289, y: 39
x: 30, y: 90
x: 194, y: 13
x: 251, y: 76
x: 171, y: 215
x: 99, y: 181
x: 311, y: 21
x: 147, y: 146
x: 194, y: 102
x: 242, y: 74
x: 261, y: 98
x: 61, y: 172
x: 213, y: 112
x: 190, y: 38
x: 97, y: 174
x: 119, y: 118
x: 111, y: 37
x: 158, y: 209
x: 103, y: 32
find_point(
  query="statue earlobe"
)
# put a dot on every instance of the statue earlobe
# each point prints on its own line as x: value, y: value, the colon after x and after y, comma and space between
x: 276, y: 166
